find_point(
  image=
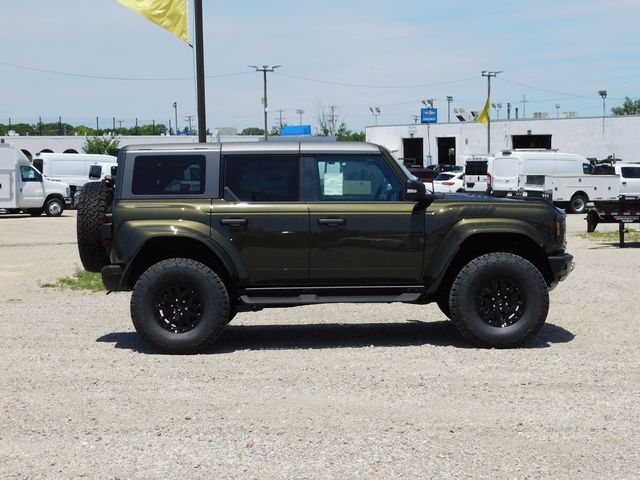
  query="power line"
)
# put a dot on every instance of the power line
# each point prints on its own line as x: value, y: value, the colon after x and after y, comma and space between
x: 359, y: 85
x: 110, y: 77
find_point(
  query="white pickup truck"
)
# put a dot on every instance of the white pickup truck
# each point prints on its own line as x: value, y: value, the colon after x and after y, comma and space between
x: 23, y: 188
x: 573, y: 191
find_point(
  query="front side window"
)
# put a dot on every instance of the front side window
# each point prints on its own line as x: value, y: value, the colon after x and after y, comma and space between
x: 169, y: 175
x: 356, y: 178
x: 28, y: 174
x: 263, y: 178
x: 630, y: 172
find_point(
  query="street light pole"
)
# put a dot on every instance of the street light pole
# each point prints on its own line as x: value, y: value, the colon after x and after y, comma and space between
x: 175, y: 108
x: 264, y: 70
x: 489, y: 75
x: 449, y: 100
x: 603, y: 94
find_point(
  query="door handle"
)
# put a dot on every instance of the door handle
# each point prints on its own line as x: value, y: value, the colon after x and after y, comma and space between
x: 331, y: 222
x: 233, y: 222
x: 624, y: 183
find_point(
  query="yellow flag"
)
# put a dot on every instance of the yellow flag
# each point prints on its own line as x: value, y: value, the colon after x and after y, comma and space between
x: 169, y: 14
x: 484, y: 114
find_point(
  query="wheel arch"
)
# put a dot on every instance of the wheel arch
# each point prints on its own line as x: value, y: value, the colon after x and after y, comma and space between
x: 490, y: 242
x: 160, y: 248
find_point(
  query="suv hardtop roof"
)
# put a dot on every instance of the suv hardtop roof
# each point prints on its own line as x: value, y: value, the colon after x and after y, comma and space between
x: 249, y: 147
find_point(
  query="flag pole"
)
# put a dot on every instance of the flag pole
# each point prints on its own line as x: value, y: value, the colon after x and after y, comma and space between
x: 202, y: 119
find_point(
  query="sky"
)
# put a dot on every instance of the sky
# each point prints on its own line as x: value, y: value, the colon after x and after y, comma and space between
x: 351, y: 54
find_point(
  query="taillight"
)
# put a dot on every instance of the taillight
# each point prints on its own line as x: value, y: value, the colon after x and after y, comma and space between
x: 489, y: 180
x: 450, y: 184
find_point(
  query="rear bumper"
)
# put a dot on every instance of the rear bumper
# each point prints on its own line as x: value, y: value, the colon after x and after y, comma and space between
x: 112, y: 277
x: 561, y: 267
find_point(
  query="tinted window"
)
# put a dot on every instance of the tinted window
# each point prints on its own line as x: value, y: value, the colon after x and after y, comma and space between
x: 95, y: 172
x: 263, y: 178
x: 38, y: 164
x: 356, y: 178
x: 630, y: 172
x: 445, y: 176
x: 476, y: 167
x: 169, y: 175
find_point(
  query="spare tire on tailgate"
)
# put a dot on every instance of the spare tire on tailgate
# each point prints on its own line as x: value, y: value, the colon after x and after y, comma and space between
x: 95, y: 200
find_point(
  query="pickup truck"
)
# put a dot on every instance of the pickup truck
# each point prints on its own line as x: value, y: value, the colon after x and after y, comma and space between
x: 201, y: 232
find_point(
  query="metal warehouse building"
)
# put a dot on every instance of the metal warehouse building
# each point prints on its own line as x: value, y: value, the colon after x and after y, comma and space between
x: 443, y: 143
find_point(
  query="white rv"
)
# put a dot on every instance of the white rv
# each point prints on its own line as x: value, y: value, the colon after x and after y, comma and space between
x: 71, y: 168
x: 23, y: 188
x: 517, y: 170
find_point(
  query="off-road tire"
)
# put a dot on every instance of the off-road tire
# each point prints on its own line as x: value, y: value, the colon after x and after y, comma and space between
x: 34, y: 212
x: 95, y: 200
x: 515, y: 281
x: 578, y: 203
x: 53, y: 207
x: 160, y: 317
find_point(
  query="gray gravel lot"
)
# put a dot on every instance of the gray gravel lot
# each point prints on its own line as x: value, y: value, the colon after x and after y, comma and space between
x: 339, y: 391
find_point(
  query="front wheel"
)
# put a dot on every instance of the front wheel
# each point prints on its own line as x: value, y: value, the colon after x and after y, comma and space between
x: 180, y: 306
x: 499, y: 300
x: 53, y: 207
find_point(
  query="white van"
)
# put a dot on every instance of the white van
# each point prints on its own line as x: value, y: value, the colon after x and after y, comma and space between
x: 514, y: 170
x: 23, y: 188
x: 71, y: 168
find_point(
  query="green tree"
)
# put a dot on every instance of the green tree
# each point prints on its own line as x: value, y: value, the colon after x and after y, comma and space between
x: 629, y: 107
x: 345, y: 135
x: 252, y: 131
x: 101, y: 145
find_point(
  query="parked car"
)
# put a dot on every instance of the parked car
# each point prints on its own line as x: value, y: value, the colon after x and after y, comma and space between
x: 449, y: 182
x: 255, y: 226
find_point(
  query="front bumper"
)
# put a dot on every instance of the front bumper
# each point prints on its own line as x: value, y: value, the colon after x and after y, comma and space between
x: 561, y: 267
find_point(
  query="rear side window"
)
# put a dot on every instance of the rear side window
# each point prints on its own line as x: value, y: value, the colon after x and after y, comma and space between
x: 169, y: 175
x: 630, y: 172
x: 263, y: 178
x: 95, y: 172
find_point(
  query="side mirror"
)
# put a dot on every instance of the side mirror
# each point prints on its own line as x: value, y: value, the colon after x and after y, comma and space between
x: 414, y: 190
x: 38, y: 177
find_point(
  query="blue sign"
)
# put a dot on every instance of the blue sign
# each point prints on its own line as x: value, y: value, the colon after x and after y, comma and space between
x: 428, y: 115
x: 295, y: 130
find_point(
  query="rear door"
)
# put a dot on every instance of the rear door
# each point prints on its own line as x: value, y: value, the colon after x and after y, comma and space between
x: 476, y: 175
x: 263, y: 218
x: 362, y: 231
x: 505, y: 173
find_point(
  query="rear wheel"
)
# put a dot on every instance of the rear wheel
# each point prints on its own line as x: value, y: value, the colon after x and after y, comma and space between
x: 499, y: 300
x: 95, y: 201
x: 578, y: 203
x: 180, y: 306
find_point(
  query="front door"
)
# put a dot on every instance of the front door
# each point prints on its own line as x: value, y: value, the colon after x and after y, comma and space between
x: 30, y: 188
x: 362, y: 232
x: 263, y: 219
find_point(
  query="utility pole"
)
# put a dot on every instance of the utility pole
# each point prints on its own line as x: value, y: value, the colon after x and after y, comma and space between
x: 265, y: 103
x: 119, y: 124
x: 524, y: 102
x: 114, y: 124
x: 280, y: 118
x: 175, y: 108
x: 188, y: 119
x: 97, y: 126
x: 489, y: 75
x: 333, y: 119
x: 299, y: 111
x: 449, y: 100
x: 60, y: 125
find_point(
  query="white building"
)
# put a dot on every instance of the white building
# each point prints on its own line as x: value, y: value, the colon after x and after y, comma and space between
x: 443, y: 142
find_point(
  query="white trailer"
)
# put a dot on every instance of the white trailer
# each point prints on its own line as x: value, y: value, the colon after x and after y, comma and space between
x: 23, y: 188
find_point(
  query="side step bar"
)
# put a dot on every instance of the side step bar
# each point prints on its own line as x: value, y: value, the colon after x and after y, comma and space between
x: 306, y: 296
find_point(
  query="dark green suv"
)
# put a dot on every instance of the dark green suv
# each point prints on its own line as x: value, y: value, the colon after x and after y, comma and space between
x: 201, y: 232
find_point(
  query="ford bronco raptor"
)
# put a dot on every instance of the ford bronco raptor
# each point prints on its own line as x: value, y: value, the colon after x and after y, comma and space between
x: 200, y: 232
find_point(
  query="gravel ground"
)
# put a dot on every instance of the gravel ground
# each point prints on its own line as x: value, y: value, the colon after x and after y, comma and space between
x: 339, y: 391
